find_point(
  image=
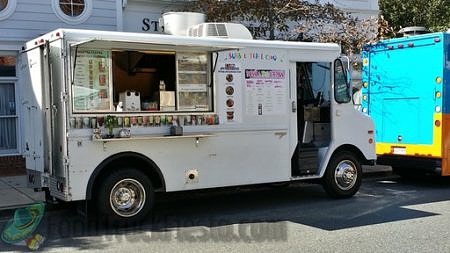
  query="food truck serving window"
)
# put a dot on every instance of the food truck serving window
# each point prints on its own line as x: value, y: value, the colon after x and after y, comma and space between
x: 107, y: 80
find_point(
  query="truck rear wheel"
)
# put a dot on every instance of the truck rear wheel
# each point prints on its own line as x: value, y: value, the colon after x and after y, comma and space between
x: 342, y: 178
x: 125, y: 197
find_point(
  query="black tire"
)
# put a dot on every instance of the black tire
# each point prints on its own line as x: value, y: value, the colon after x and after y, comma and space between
x: 343, y: 176
x: 124, y: 197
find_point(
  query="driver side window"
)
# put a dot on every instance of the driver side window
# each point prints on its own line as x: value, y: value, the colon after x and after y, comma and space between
x: 341, y: 86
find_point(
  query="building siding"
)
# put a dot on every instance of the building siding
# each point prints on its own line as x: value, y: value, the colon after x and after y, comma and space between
x: 32, y: 18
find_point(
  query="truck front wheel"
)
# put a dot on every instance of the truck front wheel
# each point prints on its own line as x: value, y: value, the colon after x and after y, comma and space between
x: 125, y: 197
x: 342, y: 178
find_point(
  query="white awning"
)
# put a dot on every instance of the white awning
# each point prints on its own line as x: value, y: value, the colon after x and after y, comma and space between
x: 148, y: 46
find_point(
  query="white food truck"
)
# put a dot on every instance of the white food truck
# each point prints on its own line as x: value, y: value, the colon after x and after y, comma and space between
x: 114, y: 117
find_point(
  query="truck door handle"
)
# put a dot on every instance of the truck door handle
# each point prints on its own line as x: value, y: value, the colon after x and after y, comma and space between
x: 280, y: 134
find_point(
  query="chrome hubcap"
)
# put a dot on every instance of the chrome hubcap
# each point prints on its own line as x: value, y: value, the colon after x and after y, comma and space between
x: 127, y: 197
x: 345, y: 175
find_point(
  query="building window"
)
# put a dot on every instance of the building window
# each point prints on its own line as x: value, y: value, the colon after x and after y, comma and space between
x: 8, y: 111
x: 3, y: 4
x: 7, y: 7
x: 72, y: 11
x: 73, y: 8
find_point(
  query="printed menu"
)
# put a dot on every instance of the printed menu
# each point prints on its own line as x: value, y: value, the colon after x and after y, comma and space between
x: 265, y: 91
x: 92, y: 84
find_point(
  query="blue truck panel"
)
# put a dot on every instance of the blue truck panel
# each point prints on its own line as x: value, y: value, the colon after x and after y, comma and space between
x: 399, y: 87
x: 446, y: 81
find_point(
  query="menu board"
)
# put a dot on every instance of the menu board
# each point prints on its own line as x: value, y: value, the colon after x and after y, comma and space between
x: 192, y: 81
x: 92, y: 80
x: 265, y: 91
x: 229, y: 80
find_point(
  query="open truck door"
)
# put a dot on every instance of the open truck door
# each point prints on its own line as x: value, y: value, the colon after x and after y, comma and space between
x: 36, y: 114
x: 329, y: 145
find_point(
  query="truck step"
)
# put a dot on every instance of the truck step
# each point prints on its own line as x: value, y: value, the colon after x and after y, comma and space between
x: 308, y: 160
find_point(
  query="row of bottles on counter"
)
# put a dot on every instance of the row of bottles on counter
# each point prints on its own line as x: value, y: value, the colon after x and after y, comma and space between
x: 144, y: 121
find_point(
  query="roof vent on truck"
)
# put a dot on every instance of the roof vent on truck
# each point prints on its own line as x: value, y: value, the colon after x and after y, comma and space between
x: 413, y: 30
x: 193, y: 24
x: 177, y: 23
x: 220, y: 30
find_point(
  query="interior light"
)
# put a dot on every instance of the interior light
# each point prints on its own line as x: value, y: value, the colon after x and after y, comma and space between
x: 365, y: 84
x: 438, y: 80
x: 438, y: 94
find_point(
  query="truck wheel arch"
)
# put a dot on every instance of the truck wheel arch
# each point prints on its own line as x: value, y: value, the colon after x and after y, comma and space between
x: 141, y: 162
x: 353, y: 149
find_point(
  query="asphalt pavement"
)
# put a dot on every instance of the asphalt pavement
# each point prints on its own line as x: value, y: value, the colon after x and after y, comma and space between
x: 388, y: 214
x: 14, y: 192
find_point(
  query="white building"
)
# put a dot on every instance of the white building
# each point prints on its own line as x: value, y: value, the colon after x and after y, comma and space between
x: 359, y: 8
x: 22, y: 20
